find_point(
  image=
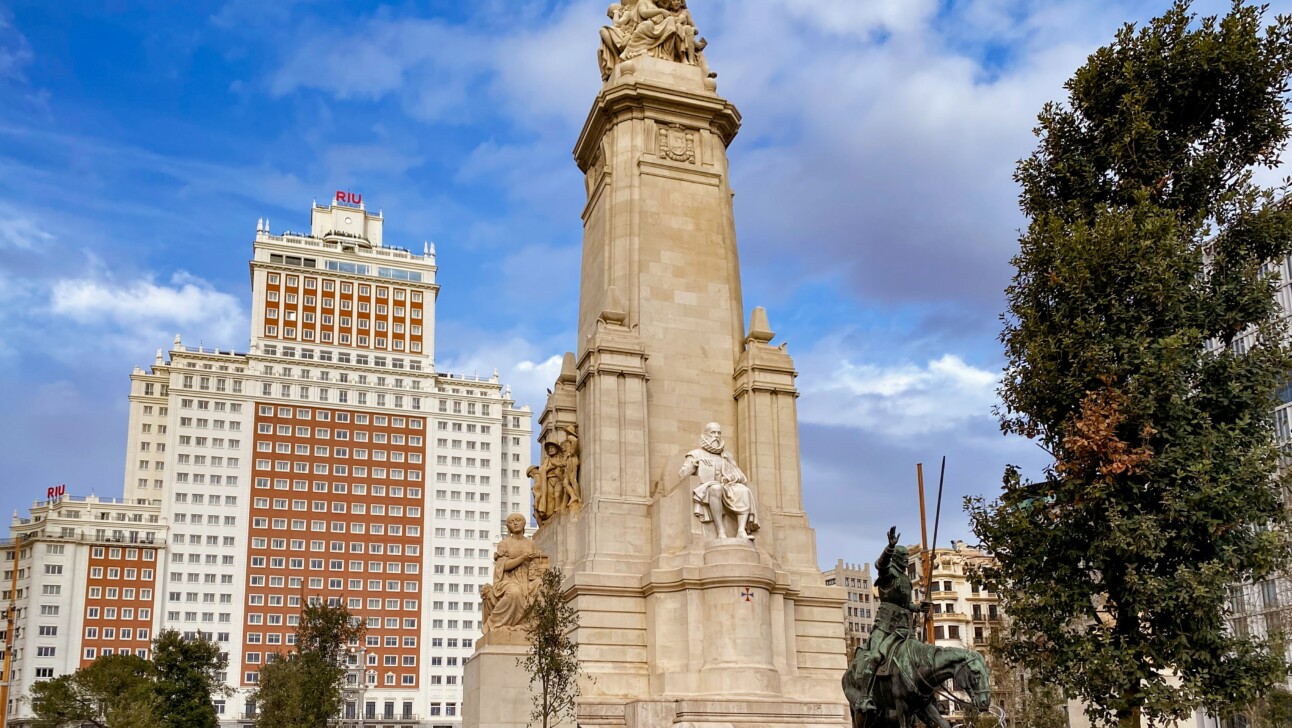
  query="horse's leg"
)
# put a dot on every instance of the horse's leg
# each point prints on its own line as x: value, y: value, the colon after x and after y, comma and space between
x: 932, y: 717
x: 904, y: 720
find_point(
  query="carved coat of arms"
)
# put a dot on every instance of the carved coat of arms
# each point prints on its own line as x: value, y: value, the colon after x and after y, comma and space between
x: 677, y: 143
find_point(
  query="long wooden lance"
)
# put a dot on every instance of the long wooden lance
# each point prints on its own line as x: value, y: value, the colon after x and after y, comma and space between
x: 937, y: 518
x: 926, y: 560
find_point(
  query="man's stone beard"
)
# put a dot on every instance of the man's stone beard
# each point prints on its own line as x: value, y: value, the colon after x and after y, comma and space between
x: 712, y: 443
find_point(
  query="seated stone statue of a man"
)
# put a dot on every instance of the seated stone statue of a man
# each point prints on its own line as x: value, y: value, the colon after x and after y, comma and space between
x: 723, y: 487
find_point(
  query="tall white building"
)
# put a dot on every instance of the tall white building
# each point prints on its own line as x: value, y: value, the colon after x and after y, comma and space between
x: 330, y: 460
x: 859, y: 608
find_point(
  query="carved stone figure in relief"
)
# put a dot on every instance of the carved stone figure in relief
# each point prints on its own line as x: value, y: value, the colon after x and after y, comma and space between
x: 504, y: 603
x: 658, y: 28
x: 539, y: 489
x: 655, y: 32
x: 691, y: 46
x: 723, y: 488
x: 553, y: 466
x: 570, y: 452
x: 614, y: 37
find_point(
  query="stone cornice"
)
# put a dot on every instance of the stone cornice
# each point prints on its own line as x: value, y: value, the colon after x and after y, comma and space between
x: 642, y: 99
x: 763, y: 368
x: 612, y: 350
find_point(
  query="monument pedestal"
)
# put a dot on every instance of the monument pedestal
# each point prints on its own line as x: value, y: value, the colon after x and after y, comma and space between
x: 704, y: 713
x: 496, y: 687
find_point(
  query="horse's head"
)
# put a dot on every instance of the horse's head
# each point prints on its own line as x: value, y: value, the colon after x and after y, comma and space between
x: 972, y: 678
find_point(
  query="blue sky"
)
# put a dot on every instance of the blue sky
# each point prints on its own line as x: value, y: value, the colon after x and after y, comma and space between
x: 140, y: 141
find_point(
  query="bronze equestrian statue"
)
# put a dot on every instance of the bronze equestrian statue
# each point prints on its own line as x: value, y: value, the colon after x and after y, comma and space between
x: 894, y: 678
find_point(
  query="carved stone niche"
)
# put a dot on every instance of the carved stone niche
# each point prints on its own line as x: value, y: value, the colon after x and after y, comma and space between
x: 676, y: 143
x: 600, y: 167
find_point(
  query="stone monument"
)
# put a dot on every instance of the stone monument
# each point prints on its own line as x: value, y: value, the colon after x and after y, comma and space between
x: 495, y: 689
x: 693, y: 570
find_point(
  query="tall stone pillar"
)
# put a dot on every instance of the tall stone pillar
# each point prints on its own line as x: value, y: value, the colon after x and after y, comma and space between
x: 677, y: 625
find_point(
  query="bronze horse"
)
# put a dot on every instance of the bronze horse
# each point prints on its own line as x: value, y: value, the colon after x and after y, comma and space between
x: 906, y: 694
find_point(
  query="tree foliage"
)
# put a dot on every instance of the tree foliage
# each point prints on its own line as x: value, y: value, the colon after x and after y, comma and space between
x: 114, y: 691
x: 1023, y: 701
x: 1145, y: 245
x: 1276, y: 709
x: 173, y: 689
x: 553, y: 659
x: 303, y: 688
x: 187, y: 675
x: 1027, y: 702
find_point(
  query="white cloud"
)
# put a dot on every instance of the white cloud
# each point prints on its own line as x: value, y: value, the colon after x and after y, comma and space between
x: 15, y: 50
x: 548, y: 73
x: 142, y: 314
x: 899, y: 400
x: 22, y: 232
x: 432, y: 63
x: 187, y: 300
x: 530, y: 380
x: 861, y: 18
x: 521, y: 364
x: 535, y: 69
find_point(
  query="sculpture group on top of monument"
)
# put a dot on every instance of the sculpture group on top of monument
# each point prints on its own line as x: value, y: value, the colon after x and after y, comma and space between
x: 723, y: 490
x: 517, y: 570
x: 896, y: 677
x: 658, y: 28
x: 556, y: 477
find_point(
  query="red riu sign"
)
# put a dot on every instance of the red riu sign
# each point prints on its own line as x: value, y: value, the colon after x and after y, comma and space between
x: 56, y: 492
x: 349, y: 198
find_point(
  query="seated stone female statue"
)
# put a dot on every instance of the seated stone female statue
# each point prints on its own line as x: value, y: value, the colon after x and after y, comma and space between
x: 505, y: 601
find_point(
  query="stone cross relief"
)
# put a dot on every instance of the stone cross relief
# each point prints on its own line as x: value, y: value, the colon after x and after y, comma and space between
x: 723, y: 495
x: 657, y: 28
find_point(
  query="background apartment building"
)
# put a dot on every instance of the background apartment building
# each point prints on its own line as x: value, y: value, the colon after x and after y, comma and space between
x: 331, y: 461
x: 80, y: 578
x: 963, y: 615
x: 859, y: 608
x: 1264, y: 608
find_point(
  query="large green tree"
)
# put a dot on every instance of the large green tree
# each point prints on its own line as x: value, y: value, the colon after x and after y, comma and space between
x: 553, y: 659
x: 187, y: 676
x: 1145, y: 349
x: 303, y: 689
x: 114, y: 691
